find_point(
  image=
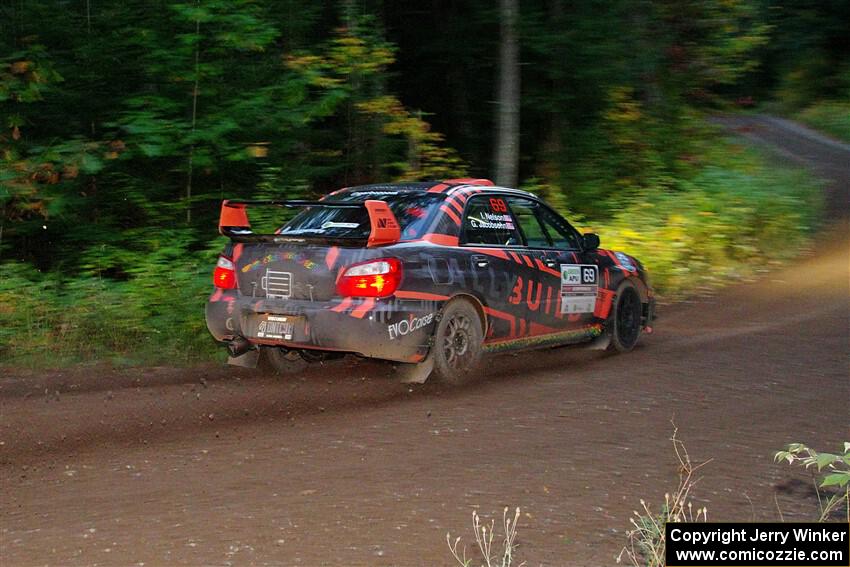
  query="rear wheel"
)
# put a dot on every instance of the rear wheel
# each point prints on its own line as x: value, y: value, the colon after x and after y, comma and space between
x: 458, y: 343
x: 625, y: 319
x: 284, y: 361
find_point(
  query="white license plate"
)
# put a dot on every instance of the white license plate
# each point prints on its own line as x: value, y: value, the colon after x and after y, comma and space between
x: 276, y: 327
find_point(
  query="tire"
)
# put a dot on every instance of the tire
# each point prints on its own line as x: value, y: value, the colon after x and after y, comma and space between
x: 458, y: 343
x: 283, y: 361
x: 624, y: 322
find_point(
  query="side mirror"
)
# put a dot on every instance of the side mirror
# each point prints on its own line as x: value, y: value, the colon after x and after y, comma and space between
x: 590, y: 241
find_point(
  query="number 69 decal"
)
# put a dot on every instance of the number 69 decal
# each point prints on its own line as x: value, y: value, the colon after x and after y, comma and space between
x: 498, y: 206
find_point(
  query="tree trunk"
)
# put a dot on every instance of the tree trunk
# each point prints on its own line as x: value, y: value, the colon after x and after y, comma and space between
x: 194, y: 122
x: 507, y: 104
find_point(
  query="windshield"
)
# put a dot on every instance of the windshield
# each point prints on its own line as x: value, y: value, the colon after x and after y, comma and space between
x: 412, y: 209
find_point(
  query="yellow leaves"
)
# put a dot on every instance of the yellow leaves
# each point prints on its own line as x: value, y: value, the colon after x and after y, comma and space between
x: 629, y: 234
x: 115, y: 149
x: 258, y: 149
x: 20, y: 67
x: 624, y: 108
x: 326, y: 82
x: 625, y: 118
x: 70, y: 172
x: 676, y: 220
x: 398, y: 120
x: 427, y: 158
x: 302, y: 61
x: 348, y: 54
x: 352, y: 53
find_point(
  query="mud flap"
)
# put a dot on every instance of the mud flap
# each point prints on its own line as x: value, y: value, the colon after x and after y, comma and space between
x: 415, y: 373
x: 247, y: 360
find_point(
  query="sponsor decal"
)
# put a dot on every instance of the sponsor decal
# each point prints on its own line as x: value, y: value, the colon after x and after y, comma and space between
x: 297, y: 257
x: 493, y: 221
x: 625, y: 261
x: 579, y: 285
x: 373, y: 193
x: 332, y: 224
x: 407, y: 326
x: 386, y: 222
x: 302, y: 231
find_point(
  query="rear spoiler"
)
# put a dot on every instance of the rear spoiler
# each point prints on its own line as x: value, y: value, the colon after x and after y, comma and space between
x: 234, y: 224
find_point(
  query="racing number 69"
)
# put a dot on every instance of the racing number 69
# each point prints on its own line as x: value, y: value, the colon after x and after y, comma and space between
x: 498, y: 206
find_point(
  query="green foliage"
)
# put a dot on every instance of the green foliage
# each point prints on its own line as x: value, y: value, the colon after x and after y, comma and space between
x: 154, y: 313
x: 350, y: 74
x: 738, y: 215
x: 831, y: 117
x: 833, y: 473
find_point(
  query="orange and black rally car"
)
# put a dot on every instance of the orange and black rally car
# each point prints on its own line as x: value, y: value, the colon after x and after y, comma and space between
x: 429, y: 274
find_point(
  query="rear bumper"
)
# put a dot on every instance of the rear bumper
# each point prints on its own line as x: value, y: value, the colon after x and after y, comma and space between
x: 390, y: 329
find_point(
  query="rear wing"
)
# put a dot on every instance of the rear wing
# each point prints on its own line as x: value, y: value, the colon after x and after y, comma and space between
x: 234, y: 224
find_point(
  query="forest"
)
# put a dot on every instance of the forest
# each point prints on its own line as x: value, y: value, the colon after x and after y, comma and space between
x: 124, y: 124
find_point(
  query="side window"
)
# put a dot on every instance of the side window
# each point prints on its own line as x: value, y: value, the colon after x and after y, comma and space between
x: 561, y: 233
x: 489, y: 221
x: 525, y: 212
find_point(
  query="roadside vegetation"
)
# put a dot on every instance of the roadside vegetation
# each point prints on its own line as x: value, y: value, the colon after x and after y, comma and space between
x: 646, y: 543
x: 122, y: 128
x: 499, y: 555
x: 830, y: 117
x: 647, y: 539
x: 830, y: 475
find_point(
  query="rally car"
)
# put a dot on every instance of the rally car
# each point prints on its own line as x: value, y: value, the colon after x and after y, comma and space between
x: 430, y: 275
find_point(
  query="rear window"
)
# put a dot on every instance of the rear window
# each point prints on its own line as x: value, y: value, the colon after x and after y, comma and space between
x: 412, y: 209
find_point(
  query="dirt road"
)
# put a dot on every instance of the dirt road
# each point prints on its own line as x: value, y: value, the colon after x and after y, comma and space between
x: 346, y: 467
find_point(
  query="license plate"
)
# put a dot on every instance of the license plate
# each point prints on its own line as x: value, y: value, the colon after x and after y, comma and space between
x: 276, y: 327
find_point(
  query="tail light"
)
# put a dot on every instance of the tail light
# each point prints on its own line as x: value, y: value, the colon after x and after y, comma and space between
x: 224, y: 276
x: 377, y: 278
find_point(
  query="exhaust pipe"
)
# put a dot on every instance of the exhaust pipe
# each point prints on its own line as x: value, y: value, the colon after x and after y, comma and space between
x: 238, y: 346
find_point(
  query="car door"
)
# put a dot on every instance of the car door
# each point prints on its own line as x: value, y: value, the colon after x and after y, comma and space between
x: 500, y: 266
x: 570, y: 278
x: 580, y: 277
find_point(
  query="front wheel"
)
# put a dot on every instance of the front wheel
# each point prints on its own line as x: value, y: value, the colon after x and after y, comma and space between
x: 458, y: 343
x: 625, y: 319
